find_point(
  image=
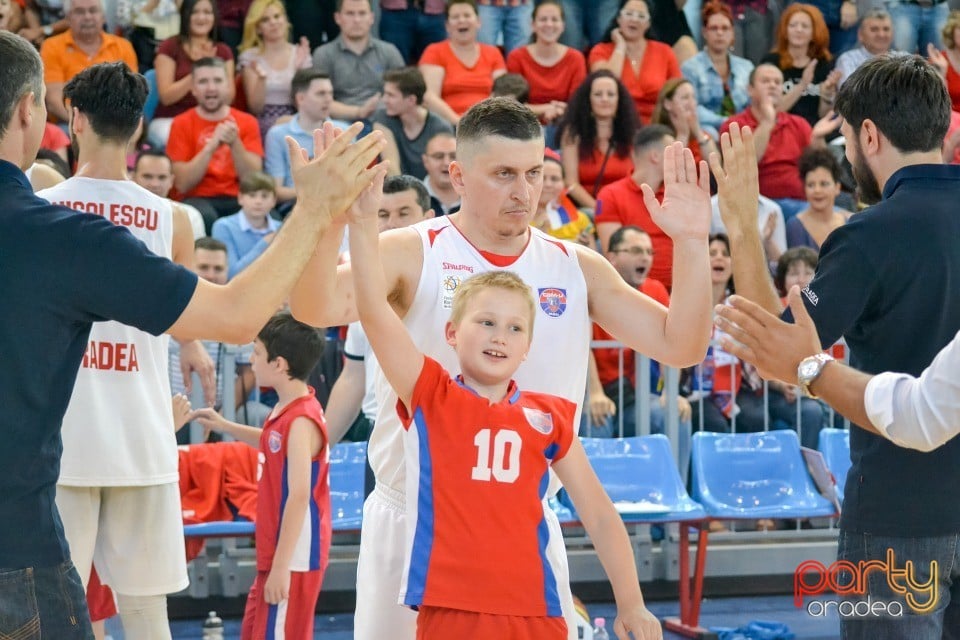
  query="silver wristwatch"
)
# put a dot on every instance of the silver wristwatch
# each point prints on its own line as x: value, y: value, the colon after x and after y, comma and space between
x: 809, y: 370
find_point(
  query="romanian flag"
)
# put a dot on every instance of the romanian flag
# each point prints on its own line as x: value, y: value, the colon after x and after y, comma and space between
x: 562, y: 212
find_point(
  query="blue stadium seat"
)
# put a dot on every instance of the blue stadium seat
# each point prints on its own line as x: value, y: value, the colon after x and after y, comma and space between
x: 754, y: 475
x: 347, y: 469
x: 153, y: 96
x: 835, y: 446
x: 225, y: 529
x: 641, y: 477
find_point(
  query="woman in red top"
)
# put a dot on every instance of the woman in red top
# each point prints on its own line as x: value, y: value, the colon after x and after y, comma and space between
x: 642, y: 65
x: 552, y: 70
x: 459, y: 71
x: 677, y: 108
x: 596, y: 136
x: 947, y: 61
x: 198, y: 38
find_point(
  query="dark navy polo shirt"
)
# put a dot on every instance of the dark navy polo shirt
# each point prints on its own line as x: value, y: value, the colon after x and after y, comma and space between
x: 889, y: 282
x: 60, y: 271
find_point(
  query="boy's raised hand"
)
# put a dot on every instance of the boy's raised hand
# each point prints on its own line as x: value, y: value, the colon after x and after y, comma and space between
x: 685, y: 211
x: 209, y: 418
x: 638, y: 621
x: 340, y: 169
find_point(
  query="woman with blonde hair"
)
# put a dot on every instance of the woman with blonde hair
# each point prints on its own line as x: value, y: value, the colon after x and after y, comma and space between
x: 268, y: 61
x: 802, y: 52
x: 947, y: 61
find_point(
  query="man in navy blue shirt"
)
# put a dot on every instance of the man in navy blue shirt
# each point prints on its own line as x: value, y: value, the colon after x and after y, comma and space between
x: 887, y: 282
x: 59, y: 272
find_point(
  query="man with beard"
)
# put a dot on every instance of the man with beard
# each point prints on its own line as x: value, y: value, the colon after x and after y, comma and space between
x: 900, y: 504
x: 213, y: 146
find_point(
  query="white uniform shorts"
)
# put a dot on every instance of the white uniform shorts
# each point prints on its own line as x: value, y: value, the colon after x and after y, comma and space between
x: 134, y: 535
x: 380, y: 569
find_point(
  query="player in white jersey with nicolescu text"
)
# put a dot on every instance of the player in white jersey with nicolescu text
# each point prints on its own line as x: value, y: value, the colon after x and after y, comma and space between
x: 498, y: 174
x: 118, y: 491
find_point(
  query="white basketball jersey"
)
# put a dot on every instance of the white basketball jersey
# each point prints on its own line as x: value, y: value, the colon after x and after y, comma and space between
x: 557, y: 362
x: 118, y: 428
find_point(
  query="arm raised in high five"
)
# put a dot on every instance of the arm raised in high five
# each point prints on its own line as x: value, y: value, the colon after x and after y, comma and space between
x: 677, y: 336
x: 738, y: 189
x: 326, y: 186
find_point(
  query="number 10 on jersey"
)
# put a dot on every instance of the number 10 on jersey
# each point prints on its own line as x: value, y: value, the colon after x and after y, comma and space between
x: 503, y: 462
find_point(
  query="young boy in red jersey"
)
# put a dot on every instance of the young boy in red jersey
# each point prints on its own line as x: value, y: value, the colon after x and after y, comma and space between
x: 293, y: 491
x: 478, y: 453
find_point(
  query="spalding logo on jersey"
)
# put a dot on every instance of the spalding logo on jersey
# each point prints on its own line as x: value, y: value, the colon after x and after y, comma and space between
x: 274, y: 441
x: 553, y: 301
x: 542, y: 422
x: 448, y: 286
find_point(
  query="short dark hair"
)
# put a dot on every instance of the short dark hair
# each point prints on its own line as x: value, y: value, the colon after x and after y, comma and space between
x: 299, y: 344
x: 20, y: 74
x: 151, y: 153
x: 209, y: 61
x: 788, y: 257
x: 111, y: 96
x: 503, y: 117
x: 399, y: 184
x: 512, y: 85
x: 339, y: 5
x: 258, y: 181
x: 753, y: 72
x: 450, y: 3
x: 409, y: 82
x: 818, y: 157
x: 209, y: 244
x: 302, y: 80
x: 650, y: 135
x: 904, y: 96
x: 617, y: 237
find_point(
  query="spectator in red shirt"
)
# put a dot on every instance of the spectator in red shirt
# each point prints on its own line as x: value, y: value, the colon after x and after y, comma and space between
x: 460, y: 70
x: 198, y: 38
x: 621, y: 203
x: 780, y: 138
x: 632, y: 255
x: 554, y: 71
x: 213, y: 146
x: 642, y: 65
x: 595, y: 136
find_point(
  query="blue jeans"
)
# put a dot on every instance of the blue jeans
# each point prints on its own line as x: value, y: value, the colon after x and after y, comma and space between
x: 513, y: 22
x: 586, y: 21
x: 914, y: 27
x: 943, y: 621
x: 45, y: 602
x: 411, y: 30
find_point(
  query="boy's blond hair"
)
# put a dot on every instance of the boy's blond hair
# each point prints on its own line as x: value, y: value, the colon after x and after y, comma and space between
x: 504, y: 280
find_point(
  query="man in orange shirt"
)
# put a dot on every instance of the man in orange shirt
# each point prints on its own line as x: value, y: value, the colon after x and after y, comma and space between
x: 213, y: 146
x: 83, y: 45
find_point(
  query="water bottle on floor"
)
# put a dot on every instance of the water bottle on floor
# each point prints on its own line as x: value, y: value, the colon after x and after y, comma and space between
x: 600, y: 629
x: 213, y: 627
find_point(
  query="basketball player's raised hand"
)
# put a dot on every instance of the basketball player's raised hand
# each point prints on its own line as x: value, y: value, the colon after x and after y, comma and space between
x: 738, y: 185
x: 638, y: 621
x: 685, y: 211
x: 367, y: 205
x: 340, y: 169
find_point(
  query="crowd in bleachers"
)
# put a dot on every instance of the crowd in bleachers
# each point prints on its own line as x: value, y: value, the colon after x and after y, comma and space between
x: 612, y: 82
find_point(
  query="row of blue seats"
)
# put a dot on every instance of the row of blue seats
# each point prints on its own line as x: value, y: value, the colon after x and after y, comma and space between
x: 734, y: 476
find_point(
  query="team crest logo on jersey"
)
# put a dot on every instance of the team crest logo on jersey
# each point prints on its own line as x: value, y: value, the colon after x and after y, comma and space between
x: 448, y: 286
x: 539, y: 420
x: 553, y: 301
x: 274, y: 441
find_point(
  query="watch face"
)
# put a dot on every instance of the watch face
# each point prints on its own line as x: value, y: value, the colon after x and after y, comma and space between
x: 809, y: 368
